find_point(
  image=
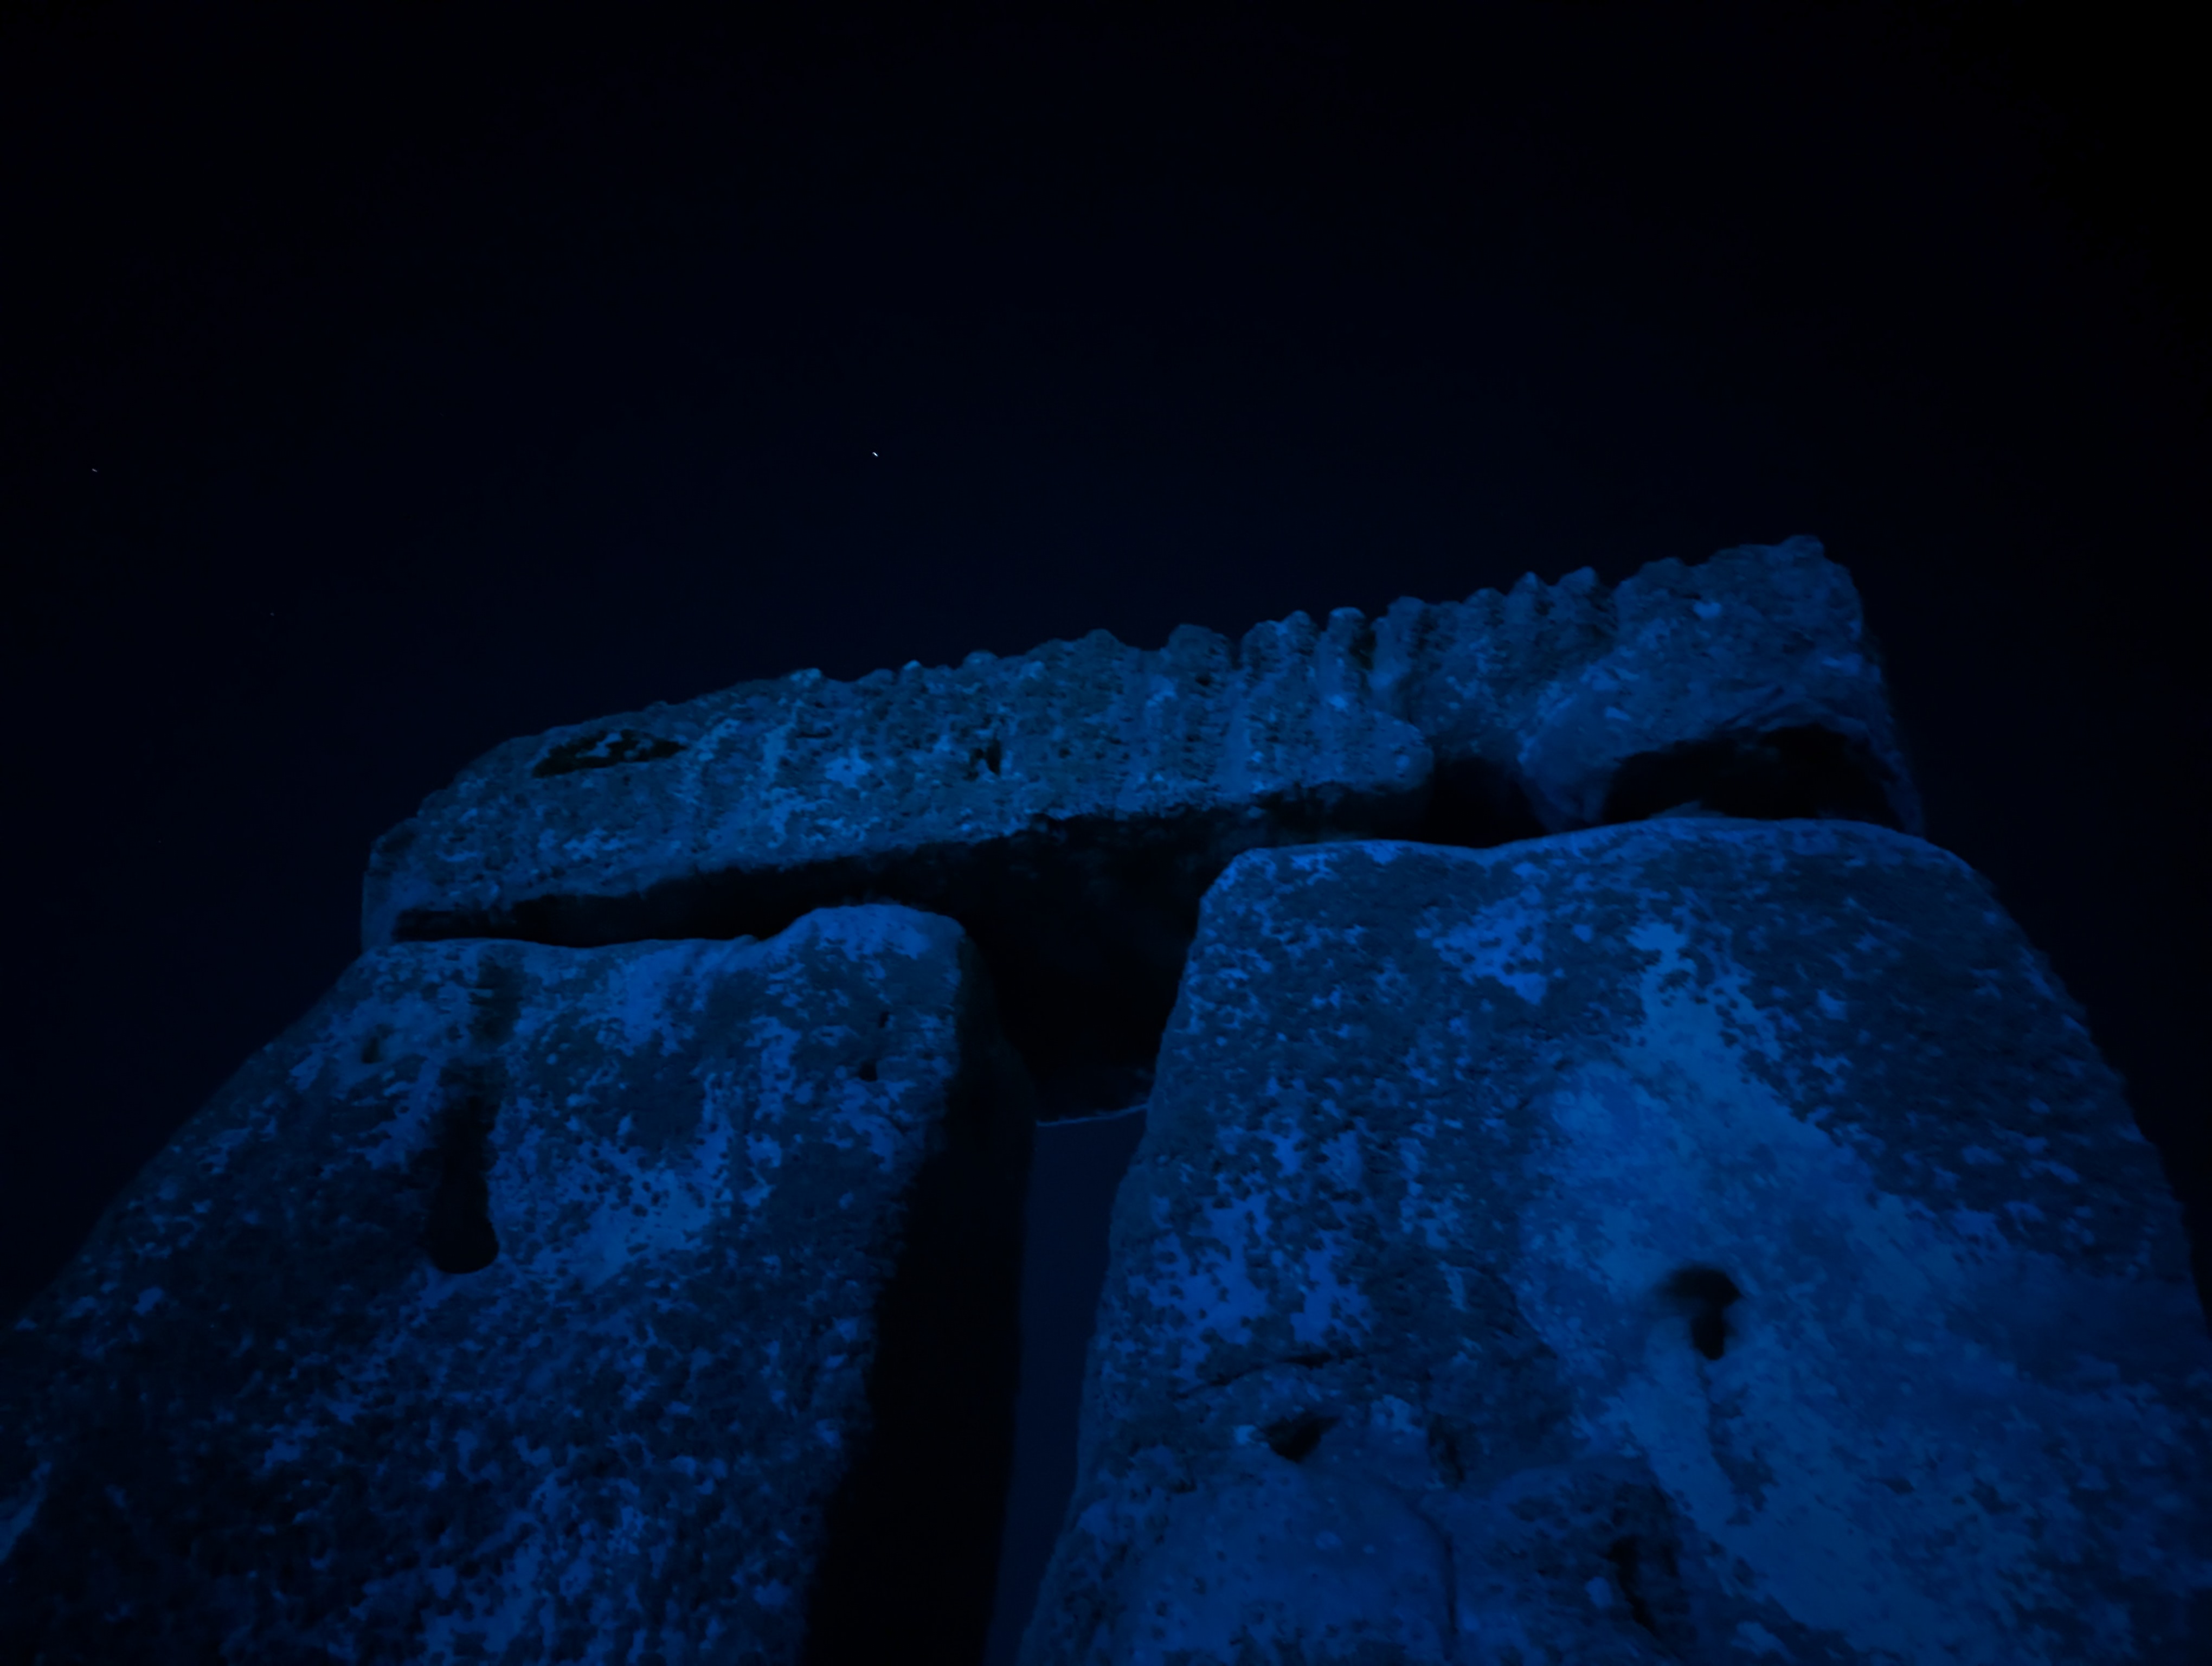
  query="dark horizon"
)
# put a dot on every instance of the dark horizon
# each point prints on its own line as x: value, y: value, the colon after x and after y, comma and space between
x: 378, y: 388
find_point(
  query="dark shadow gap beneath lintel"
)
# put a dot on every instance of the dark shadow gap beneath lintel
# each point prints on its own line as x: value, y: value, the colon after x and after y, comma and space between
x: 1803, y: 772
x: 911, y: 1545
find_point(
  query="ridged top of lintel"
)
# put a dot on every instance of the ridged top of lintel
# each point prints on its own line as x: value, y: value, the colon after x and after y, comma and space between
x: 1550, y: 688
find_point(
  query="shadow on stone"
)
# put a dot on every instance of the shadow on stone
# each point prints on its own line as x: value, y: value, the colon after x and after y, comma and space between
x: 1475, y: 804
x: 1806, y: 772
x: 459, y: 1236
x: 1705, y: 1293
x: 909, y: 1566
x: 1295, y: 1438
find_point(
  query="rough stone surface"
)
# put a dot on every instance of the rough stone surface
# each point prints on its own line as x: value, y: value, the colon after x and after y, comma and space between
x: 777, y: 795
x: 526, y: 1304
x: 1748, y: 676
x: 1553, y: 706
x: 1699, y: 1241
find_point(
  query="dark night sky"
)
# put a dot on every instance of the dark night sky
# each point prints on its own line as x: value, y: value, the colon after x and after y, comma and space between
x: 380, y: 382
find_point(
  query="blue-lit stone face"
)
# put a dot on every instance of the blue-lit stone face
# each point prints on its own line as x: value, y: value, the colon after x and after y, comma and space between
x: 1609, y: 1193
x: 519, y: 1298
x: 1654, y: 1243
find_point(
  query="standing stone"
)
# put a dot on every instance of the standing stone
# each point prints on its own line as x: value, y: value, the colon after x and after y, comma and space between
x: 528, y: 1303
x: 1699, y: 1241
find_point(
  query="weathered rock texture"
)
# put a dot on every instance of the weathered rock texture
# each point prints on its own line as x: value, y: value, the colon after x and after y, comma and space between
x: 1069, y: 806
x: 1699, y: 1241
x: 1702, y: 1240
x: 525, y: 1304
x: 1746, y: 682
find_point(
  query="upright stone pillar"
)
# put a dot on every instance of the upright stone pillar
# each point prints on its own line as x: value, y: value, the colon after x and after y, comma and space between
x: 1694, y: 1241
x: 526, y: 1304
